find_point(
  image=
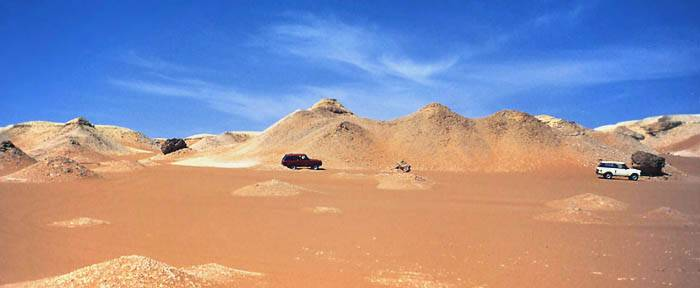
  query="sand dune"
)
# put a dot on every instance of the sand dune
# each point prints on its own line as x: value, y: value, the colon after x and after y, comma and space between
x: 225, y: 139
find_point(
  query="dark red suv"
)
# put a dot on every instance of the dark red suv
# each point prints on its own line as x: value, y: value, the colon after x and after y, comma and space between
x: 292, y: 161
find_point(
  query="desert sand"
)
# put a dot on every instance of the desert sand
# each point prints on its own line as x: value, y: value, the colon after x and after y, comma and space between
x: 508, y: 200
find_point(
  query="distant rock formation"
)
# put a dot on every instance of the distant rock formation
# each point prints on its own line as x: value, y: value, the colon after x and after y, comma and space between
x: 662, y: 124
x: 629, y: 132
x: 649, y: 163
x: 173, y: 144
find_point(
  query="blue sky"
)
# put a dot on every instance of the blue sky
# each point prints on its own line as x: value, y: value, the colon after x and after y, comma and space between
x: 175, y: 68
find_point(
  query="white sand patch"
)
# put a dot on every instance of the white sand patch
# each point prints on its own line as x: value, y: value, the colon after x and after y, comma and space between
x: 208, y: 162
x: 79, y: 223
x: 220, y: 274
x: 571, y: 215
x: 271, y: 188
x: 407, y: 279
x: 589, y: 202
x: 346, y: 175
x: 325, y: 210
x: 667, y: 215
x: 687, y: 153
x: 402, y: 181
x: 137, y: 150
x: 13, y: 179
x: 118, y: 166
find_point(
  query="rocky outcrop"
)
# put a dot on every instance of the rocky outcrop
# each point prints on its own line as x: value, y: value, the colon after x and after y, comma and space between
x: 330, y: 105
x: 650, y: 164
x: 622, y: 130
x: 13, y: 158
x: 173, y: 144
x: 662, y: 124
x: 81, y: 121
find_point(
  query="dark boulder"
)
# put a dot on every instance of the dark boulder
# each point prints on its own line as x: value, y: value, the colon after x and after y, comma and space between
x: 650, y: 164
x: 173, y: 144
x: 7, y: 146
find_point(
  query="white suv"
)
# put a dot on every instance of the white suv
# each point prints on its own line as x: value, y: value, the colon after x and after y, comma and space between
x: 609, y: 169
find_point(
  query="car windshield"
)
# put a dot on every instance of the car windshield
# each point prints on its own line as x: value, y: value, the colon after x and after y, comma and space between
x: 623, y: 166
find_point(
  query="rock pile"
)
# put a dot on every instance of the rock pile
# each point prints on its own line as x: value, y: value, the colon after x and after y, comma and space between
x: 173, y: 144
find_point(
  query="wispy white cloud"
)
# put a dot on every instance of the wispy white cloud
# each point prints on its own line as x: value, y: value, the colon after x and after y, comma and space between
x: 578, y: 68
x: 328, y: 39
x: 255, y: 107
x: 567, y: 16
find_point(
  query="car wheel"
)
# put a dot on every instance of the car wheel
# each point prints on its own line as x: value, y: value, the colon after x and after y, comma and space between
x: 293, y: 167
x: 607, y: 175
x: 316, y: 167
x: 634, y: 177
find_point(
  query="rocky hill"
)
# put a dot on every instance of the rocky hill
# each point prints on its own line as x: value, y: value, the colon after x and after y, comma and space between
x: 77, y: 139
x: 432, y: 138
